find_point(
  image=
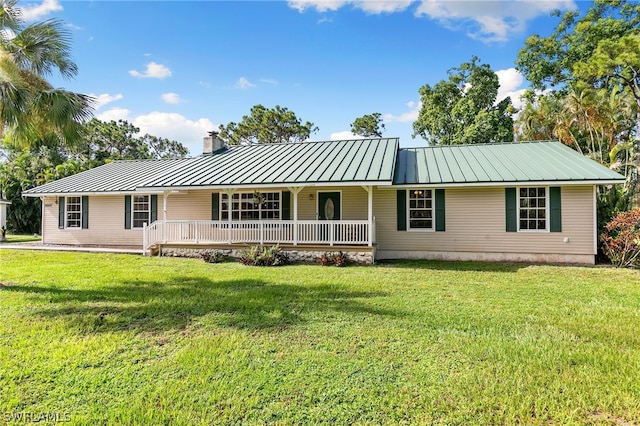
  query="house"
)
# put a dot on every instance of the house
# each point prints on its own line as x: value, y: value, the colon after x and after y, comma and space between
x: 3, y: 217
x: 533, y: 201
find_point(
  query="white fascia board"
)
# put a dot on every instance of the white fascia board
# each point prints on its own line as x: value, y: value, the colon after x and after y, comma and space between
x: 262, y: 185
x: 79, y: 194
x: 516, y: 183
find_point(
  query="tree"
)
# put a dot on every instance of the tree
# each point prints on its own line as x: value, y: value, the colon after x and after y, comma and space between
x: 263, y: 125
x: 369, y: 125
x: 24, y: 169
x: 550, y: 61
x: 596, y: 55
x: 32, y: 112
x: 118, y: 141
x: 463, y: 109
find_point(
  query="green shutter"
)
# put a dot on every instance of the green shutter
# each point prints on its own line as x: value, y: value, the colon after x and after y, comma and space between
x: 286, y: 205
x: 85, y: 212
x: 440, y: 216
x: 61, y: 212
x: 402, y: 209
x: 154, y: 209
x: 555, y: 209
x: 215, y: 206
x: 511, y: 209
x: 127, y: 212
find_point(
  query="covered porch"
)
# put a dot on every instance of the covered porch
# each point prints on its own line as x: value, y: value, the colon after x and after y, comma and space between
x: 288, y: 228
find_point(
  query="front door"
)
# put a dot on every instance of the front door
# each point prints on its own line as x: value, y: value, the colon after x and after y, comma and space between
x: 329, y: 205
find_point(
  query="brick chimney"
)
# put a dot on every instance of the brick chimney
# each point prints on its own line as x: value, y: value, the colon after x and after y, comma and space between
x: 212, y: 144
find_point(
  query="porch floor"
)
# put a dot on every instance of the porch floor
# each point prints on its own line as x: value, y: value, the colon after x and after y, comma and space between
x: 284, y: 246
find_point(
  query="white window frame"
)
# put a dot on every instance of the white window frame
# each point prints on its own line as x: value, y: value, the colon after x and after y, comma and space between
x: 546, y: 209
x: 134, y: 211
x: 433, y: 210
x: 67, y: 212
x: 239, y: 202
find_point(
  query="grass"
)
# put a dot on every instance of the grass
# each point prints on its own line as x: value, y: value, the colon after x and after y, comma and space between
x: 11, y: 238
x: 122, y: 339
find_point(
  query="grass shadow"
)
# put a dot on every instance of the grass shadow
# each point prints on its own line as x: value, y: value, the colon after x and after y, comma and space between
x: 153, y: 306
x: 458, y: 265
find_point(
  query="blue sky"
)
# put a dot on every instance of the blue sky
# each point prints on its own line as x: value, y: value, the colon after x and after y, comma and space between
x: 179, y: 69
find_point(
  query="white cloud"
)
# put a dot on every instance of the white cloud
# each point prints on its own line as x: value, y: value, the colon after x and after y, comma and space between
x: 510, y: 85
x: 486, y: 20
x: 271, y: 81
x: 319, y: 5
x: 369, y: 6
x: 171, y: 98
x: 166, y: 125
x: 244, y: 84
x: 411, y: 115
x: 114, y: 114
x: 344, y: 135
x: 153, y: 70
x: 493, y: 20
x: 104, y: 99
x: 176, y: 127
x: 34, y: 12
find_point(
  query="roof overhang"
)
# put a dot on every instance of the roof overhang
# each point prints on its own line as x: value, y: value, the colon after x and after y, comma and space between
x: 268, y: 185
x: 512, y: 183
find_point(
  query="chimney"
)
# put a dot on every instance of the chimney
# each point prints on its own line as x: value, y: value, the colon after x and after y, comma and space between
x: 212, y: 144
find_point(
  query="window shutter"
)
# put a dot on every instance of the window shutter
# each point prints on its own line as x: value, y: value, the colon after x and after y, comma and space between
x: 127, y: 212
x: 85, y: 212
x: 555, y: 209
x: 402, y: 209
x: 61, y: 212
x: 154, y: 209
x: 511, y: 209
x: 286, y: 205
x: 440, y: 216
x: 215, y: 206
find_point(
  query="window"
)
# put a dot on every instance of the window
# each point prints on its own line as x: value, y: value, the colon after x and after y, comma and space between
x: 141, y: 210
x: 251, y: 206
x: 420, y: 209
x: 532, y: 209
x: 73, y: 215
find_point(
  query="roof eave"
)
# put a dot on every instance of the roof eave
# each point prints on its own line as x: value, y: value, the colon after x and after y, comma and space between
x: 512, y: 183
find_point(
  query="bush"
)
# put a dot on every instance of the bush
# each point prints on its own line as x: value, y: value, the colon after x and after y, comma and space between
x: 621, y: 239
x: 212, y: 256
x: 260, y: 255
x: 337, y: 259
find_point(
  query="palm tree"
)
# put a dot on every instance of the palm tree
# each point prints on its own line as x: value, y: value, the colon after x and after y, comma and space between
x: 32, y: 112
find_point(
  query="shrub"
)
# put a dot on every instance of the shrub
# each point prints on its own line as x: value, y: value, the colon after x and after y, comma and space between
x: 621, y: 239
x: 212, y: 256
x: 259, y: 255
x: 337, y: 259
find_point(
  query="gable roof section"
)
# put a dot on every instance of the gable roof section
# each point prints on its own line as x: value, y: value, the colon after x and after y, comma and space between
x: 359, y: 161
x: 498, y: 164
x: 118, y: 176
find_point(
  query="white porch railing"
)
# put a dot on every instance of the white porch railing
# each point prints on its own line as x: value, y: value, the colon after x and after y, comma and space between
x: 330, y: 232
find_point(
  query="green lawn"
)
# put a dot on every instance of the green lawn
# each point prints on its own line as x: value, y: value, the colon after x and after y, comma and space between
x: 11, y: 238
x: 122, y: 339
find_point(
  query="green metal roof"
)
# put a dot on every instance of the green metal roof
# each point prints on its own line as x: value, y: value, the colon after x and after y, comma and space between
x: 356, y: 162
x: 498, y: 164
x: 119, y: 176
x: 359, y: 161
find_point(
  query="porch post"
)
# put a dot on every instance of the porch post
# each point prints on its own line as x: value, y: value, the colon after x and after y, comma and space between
x: 165, y: 195
x: 229, y: 193
x: 295, y: 191
x: 369, y: 190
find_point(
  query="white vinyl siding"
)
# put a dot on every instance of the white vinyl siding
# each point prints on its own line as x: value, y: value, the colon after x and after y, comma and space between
x: 476, y: 223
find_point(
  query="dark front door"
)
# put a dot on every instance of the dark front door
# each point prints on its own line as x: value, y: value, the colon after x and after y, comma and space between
x: 329, y: 205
